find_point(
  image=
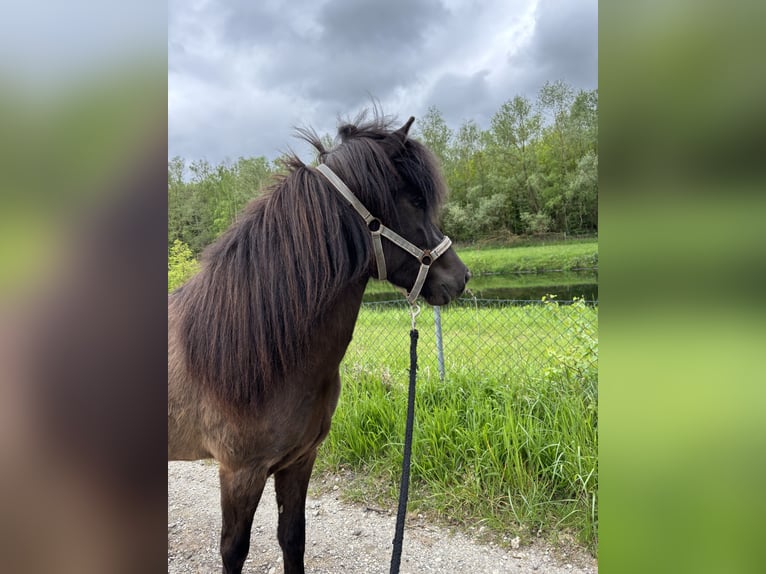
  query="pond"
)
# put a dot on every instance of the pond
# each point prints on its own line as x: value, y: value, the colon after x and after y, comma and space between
x: 565, y: 285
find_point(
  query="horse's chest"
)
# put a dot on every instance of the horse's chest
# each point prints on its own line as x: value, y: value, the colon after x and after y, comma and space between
x: 283, y: 430
x: 309, y: 422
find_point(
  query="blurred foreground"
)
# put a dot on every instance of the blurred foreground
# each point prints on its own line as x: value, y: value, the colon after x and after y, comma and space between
x: 82, y: 234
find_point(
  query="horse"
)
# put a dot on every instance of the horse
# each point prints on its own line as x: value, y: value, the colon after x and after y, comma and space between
x: 255, y: 339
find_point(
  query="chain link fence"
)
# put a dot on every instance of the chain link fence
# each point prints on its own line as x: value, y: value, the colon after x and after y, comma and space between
x: 480, y: 338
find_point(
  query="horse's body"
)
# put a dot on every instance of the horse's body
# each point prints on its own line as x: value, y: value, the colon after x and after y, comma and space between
x: 255, y: 340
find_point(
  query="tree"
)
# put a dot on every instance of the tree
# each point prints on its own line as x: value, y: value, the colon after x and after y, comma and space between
x: 176, y: 199
x: 433, y: 131
x: 565, y: 139
x: 582, y: 194
x: 514, y: 132
x: 583, y: 119
x: 468, y: 166
x: 205, y: 205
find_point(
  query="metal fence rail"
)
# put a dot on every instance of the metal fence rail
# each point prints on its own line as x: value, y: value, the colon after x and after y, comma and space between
x: 486, y: 338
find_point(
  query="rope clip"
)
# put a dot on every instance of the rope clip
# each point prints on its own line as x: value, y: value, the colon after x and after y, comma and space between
x: 414, y: 312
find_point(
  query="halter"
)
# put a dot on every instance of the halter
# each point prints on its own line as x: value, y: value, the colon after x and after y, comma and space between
x: 425, y: 256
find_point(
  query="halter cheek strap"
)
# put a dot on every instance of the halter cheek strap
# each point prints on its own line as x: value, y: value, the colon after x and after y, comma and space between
x: 377, y: 230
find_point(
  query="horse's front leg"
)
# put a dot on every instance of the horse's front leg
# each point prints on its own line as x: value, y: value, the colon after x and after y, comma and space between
x: 240, y: 493
x: 291, y: 485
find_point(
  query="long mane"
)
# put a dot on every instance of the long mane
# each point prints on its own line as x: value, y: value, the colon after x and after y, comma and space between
x: 247, y: 316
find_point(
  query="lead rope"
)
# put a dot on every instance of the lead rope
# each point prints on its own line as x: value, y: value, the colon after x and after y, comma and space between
x: 404, y: 487
x: 425, y: 257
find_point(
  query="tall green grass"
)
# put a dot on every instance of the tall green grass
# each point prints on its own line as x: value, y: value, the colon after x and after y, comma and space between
x: 508, y: 439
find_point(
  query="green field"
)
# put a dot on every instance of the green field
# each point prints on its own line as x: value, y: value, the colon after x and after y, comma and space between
x: 508, y: 439
x: 532, y: 258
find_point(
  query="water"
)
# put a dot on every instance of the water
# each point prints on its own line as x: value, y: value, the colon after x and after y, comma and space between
x: 564, y: 285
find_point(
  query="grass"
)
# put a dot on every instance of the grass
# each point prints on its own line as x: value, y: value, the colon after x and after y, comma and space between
x: 508, y: 439
x: 530, y: 259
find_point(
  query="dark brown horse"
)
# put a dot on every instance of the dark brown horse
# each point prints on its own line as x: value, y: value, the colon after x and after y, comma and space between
x: 255, y: 339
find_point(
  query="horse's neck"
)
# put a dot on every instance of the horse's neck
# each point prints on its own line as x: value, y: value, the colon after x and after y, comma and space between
x: 343, y: 311
x: 336, y: 326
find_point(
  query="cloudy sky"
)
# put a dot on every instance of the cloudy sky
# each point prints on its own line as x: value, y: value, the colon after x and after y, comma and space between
x: 243, y: 73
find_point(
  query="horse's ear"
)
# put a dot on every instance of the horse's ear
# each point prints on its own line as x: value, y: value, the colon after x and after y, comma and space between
x: 346, y: 131
x: 404, y: 130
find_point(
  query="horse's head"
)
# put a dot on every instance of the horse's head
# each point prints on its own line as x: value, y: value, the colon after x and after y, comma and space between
x: 398, y: 191
x: 417, y: 201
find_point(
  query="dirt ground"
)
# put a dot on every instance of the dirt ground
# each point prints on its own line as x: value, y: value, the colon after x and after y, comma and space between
x: 340, y: 537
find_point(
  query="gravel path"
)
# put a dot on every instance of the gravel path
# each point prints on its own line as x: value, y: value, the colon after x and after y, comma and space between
x: 340, y: 537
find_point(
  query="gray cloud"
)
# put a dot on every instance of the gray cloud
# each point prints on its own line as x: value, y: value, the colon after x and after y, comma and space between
x: 393, y: 25
x: 564, y: 46
x: 243, y: 73
x: 566, y: 40
x: 460, y: 97
x: 254, y: 23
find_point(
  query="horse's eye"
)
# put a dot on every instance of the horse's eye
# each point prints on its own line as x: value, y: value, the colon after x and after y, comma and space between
x: 418, y: 202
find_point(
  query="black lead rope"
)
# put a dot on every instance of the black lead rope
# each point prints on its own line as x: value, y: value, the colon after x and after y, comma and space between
x: 396, y: 556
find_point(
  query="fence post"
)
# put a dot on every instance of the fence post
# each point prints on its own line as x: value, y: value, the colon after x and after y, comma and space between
x: 439, y: 345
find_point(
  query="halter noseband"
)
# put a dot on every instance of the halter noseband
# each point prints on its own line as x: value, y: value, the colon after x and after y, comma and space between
x: 425, y: 256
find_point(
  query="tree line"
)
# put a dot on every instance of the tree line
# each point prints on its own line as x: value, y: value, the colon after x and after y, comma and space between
x: 533, y: 170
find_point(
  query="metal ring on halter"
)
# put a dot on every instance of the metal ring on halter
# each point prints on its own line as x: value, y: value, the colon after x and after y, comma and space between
x: 432, y: 255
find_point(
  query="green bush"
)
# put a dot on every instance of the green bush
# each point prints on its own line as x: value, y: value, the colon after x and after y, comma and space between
x: 181, y: 264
